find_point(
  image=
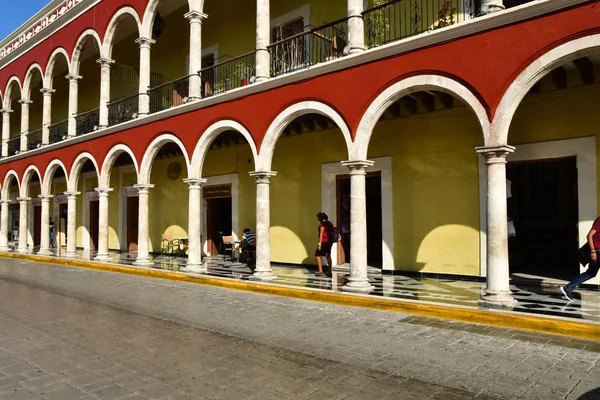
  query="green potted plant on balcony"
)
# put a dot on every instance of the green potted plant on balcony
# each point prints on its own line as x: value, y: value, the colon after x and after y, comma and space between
x: 445, y: 15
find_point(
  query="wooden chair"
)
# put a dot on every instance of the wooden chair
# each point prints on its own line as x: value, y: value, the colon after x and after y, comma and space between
x: 228, y: 246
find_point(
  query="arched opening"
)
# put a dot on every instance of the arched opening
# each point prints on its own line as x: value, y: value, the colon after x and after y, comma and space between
x: 119, y: 172
x: 551, y: 177
x: 56, y: 74
x: 35, y: 96
x: 83, y: 179
x: 31, y: 188
x: 85, y: 57
x: 125, y: 71
x: 423, y: 139
x: 12, y: 101
x: 56, y: 185
x: 307, y: 152
x: 11, y: 193
x: 168, y: 200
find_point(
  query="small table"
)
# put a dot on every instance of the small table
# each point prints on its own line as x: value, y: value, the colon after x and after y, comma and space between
x: 183, y: 244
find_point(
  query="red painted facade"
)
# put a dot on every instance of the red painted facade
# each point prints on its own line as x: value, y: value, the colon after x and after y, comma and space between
x: 486, y: 63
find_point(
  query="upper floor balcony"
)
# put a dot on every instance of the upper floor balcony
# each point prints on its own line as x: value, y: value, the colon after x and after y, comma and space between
x: 176, y: 52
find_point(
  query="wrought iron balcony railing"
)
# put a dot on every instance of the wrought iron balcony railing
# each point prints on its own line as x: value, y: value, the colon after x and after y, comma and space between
x: 14, y: 146
x: 87, y: 122
x: 123, y: 110
x: 309, y: 48
x: 34, y: 139
x: 59, y: 131
x: 227, y: 75
x: 400, y: 19
x: 170, y: 94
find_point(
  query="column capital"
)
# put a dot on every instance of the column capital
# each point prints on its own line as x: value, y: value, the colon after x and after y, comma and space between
x: 73, y: 77
x: 5, y: 202
x: 23, y: 200
x: 495, y: 154
x: 145, y: 42
x: 144, y: 188
x: 47, y: 91
x: 263, y: 176
x: 45, y: 197
x: 5, y: 111
x: 25, y: 102
x: 103, y: 191
x: 195, y: 183
x: 195, y: 16
x: 105, y: 62
x: 72, y: 194
x: 358, y: 166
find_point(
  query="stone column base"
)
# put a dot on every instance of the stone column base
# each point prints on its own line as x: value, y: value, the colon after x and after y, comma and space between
x: 503, y: 300
x: 71, y: 254
x: 5, y: 249
x: 24, y: 251
x: 44, y: 252
x: 262, y: 276
x: 195, y: 268
x: 102, y: 257
x: 361, y: 286
x: 143, y: 263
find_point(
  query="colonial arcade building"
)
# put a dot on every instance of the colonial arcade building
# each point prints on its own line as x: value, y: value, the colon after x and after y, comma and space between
x: 428, y: 130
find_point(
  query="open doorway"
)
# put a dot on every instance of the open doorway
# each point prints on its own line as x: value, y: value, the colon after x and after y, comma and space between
x: 94, y: 227
x: 133, y: 204
x: 219, y: 216
x: 543, y: 206
x: 37, y: 225
x: 374, y: 219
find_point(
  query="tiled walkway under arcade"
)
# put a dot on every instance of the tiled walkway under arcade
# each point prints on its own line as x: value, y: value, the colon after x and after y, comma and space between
x: 532, y: 299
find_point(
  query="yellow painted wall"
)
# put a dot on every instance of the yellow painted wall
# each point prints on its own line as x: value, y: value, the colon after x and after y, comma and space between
x: 89, y: 85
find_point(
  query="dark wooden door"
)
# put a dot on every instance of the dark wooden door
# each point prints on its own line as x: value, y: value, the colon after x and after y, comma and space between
x: 37, y: 225
x: 94, y: 216
x: 132, y: 223
x: 218, y: 223
x: 63, y: 214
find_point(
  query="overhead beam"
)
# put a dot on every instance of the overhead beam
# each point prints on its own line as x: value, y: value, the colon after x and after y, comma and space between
x: 428, y: 100
x: 296, y: 126
x: 586, y: 69
x: 447, y: 100
x: 309, y: 123
x: 559, y: 76
x: 322, y: 121
x: 395, y: 109
x: 410, y: 104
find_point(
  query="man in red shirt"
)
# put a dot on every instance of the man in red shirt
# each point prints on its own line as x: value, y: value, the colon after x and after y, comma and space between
x: 593, y: 238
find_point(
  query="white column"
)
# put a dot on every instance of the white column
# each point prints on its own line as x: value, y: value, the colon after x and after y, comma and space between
x: 497, y: 292
x: 4, y: 226
x: 194, y: 226
x: 105, y: 64
x: 144, y: 99
x: 263, y: 225
x: 45, y: 225
x: 490, y: 6
x: 24, y: 123
x: 358, y: 281
x: 143, y: 258
x: 46, y: 114
x: 195, y: 63
x: 71, y: 224
x: 103, y: 224
x: 23, y: 220
x: 73, y: 103
x: 5, y: 131
x: 356, y: 26
x: 263, y: 39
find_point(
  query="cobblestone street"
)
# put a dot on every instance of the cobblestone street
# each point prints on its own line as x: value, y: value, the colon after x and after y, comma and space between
x: 68, y: 333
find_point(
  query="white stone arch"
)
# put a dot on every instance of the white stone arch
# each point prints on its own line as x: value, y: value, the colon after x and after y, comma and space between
x: 152, y: 150
x: 27, y: 175
x: 110, y: 159
x: 152, y: 8
x: 209, y: 136
x: 513, y: 96
x: 113, y: 25
x: 10, y: 175
x: 81, y: 41
x: 411, y: 85
x: 76, y: 170
x: 28, y: 77
x: 267, y: 148
x: 9, y: 91
x: 49, y: 77
x: 49, y: 175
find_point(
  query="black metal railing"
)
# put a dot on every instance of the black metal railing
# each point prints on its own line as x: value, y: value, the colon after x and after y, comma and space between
x: 59, y: 131
x: 308, y: 48
x: 400, y: 19
x: 34, y: 139
x: 123, y: 110
x: 14, y: 146
x: 227, y: 75
x: 514, y: 3
x: 170, y: 94
x: 87, y: 122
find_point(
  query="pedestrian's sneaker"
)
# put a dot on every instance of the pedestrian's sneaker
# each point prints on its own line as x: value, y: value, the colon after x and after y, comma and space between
x: 565, y: 294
